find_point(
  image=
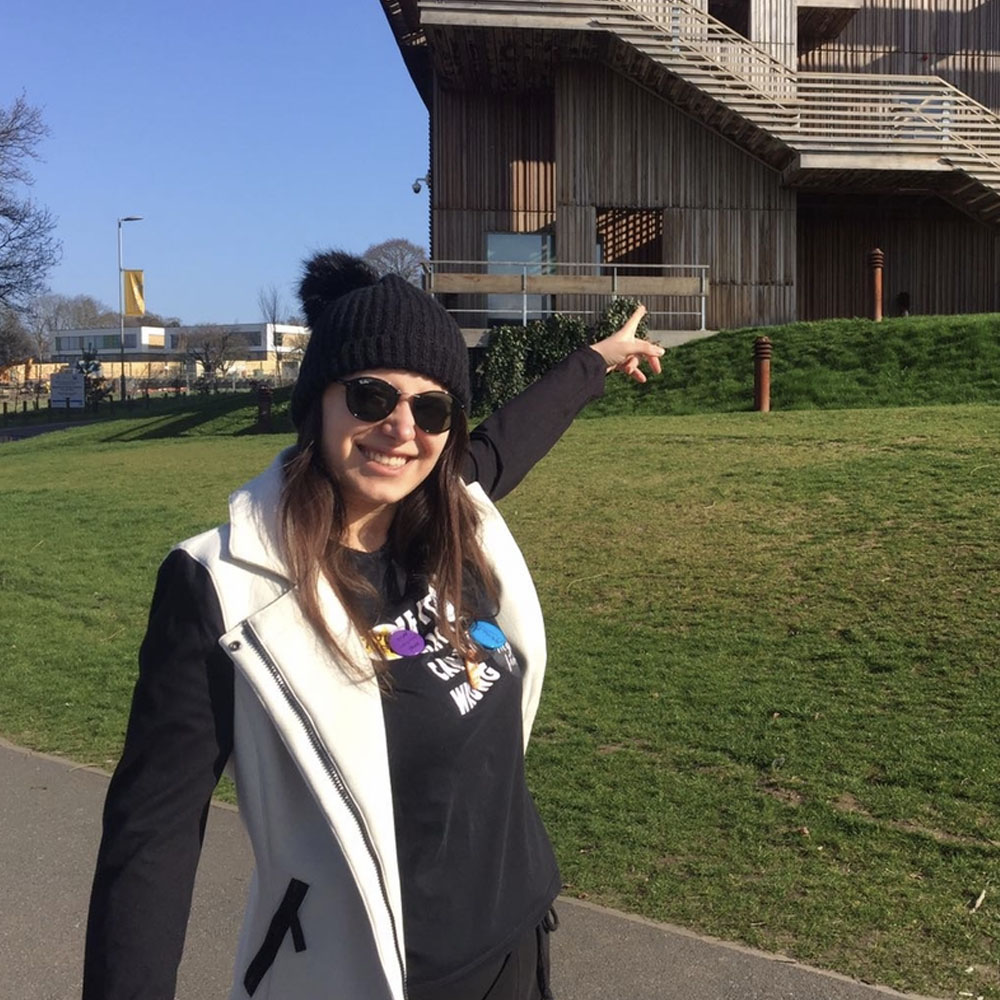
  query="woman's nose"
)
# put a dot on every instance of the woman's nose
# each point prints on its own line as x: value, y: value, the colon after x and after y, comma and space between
x: 400, y: 422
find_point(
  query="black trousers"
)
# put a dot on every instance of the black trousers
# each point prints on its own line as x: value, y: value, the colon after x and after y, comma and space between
x: 522, y: 974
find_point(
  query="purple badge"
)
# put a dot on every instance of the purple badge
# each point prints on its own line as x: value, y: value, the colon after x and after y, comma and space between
x: 406, y: 642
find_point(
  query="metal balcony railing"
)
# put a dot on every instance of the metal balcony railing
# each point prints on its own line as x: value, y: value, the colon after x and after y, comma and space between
x: 519, y: 291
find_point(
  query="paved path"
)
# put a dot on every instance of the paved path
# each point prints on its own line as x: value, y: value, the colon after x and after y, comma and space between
x: 50, y: 826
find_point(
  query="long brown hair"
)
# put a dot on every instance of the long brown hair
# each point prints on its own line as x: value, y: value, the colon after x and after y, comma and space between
x: 434, y: 532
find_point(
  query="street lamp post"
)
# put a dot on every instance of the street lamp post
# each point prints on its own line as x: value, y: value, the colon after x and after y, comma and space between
x: 121, y: 299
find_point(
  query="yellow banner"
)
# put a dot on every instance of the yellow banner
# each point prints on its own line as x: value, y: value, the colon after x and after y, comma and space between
x: 135, y: 301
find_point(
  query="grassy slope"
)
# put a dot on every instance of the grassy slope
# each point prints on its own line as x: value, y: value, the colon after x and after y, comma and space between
x: 771, y: 706
x: 837, y: 363
x: 926, y: 360
x: 771, y: 709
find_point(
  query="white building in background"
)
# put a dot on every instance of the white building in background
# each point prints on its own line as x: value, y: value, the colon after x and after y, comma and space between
x: 259, y: 349
x: 141, y: 342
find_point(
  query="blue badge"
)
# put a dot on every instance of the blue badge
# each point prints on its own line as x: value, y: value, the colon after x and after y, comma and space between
x: 487, y: 635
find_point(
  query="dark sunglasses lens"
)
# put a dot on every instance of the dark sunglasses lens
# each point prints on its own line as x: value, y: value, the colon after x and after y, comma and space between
x: 432, y: 411
x: 371, y: 399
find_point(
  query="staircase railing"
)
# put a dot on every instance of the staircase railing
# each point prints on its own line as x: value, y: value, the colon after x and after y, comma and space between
x: 850, y: 113
x: 894, y: 113
x: 839, y: 113
x: 692, y: 36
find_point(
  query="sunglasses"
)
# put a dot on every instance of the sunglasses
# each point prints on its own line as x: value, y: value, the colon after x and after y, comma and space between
x: 373, y: 399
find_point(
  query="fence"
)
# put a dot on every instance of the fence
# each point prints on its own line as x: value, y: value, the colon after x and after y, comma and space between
x: 482, y: 294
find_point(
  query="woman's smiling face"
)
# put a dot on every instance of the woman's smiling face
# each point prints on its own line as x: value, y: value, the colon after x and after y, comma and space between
x: 378, y: 464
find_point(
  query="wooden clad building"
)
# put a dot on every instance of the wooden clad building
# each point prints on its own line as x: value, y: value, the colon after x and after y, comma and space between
x: 774, y: 142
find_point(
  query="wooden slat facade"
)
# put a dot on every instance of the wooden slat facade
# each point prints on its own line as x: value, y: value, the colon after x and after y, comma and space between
x: 507, y: 163
x: 958, y: 40
x: 493, y: 170
x: 773, y: 26
x: 494, y: 153
x: 936, y: 258
x: 619, y: 146
x: 555, y: 132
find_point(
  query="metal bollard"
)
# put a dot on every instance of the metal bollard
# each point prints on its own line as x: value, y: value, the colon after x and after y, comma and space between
x: 762, y: 349
x: 876, y: 262
x: 263, y: 409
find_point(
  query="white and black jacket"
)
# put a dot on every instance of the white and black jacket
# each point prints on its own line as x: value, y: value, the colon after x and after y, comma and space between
x: 230, y: 672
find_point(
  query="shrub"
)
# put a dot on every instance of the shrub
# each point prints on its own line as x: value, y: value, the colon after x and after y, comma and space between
x: 518, y: 355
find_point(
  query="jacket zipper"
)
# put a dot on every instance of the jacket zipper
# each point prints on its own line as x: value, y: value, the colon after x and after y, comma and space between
x: 330, y: 767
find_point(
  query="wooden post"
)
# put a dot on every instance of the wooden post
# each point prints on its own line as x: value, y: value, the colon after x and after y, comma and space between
x: 263, y: 409
x: 876, y: 262
x: 762, y: 348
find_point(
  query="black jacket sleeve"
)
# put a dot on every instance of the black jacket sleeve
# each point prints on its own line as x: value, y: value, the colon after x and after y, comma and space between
x: 505, y: 446
x: 180, y: 734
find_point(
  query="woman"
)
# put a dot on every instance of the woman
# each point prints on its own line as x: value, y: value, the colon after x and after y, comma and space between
x: 361, y: 643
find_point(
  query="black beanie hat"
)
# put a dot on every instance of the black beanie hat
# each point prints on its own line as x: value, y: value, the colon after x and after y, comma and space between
x: 360, y: 321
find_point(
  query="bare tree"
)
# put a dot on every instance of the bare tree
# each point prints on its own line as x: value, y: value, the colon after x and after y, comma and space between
x: 46, y: 314
x: 214, y: 348
x: 271, y: 308
x: 15, y: 344
x: 270, y: 304
x: 28, y: 250
x: 70, y: 312
x: 49, y: 313
x: 152, y: 319
x: 397, y: 256
x: 38, y: 321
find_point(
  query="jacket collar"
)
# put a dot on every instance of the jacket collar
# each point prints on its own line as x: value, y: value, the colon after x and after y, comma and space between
x: 253, y: 517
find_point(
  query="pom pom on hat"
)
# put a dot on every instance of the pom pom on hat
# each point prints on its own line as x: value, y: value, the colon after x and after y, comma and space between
x: 328, y: 276
x: 360, y: 321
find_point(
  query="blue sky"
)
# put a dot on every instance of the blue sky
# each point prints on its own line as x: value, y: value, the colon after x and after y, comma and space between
x: 247, y: 136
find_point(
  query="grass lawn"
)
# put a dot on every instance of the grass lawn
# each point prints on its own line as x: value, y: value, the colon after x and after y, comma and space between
x: 772, y: 700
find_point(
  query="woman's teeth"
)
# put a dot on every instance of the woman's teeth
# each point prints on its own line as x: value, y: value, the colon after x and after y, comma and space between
x: 392, y: 461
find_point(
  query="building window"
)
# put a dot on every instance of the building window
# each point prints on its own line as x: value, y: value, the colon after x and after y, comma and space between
x: 734, y: 13
x: 630, y: 236
x: 518, y: 253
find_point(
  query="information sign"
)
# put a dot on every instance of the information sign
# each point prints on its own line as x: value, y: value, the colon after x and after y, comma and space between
x: 67, y: 386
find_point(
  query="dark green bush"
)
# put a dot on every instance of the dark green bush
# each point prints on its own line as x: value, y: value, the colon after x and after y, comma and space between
x: 518, y: 355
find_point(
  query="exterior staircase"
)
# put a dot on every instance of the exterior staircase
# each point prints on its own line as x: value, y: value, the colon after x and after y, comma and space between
x: 818, y: 128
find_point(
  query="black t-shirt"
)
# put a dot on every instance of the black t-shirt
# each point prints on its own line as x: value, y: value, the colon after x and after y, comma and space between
x: 476, y: 866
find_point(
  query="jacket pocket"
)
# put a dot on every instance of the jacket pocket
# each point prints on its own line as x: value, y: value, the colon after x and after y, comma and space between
x: 284, y: 921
